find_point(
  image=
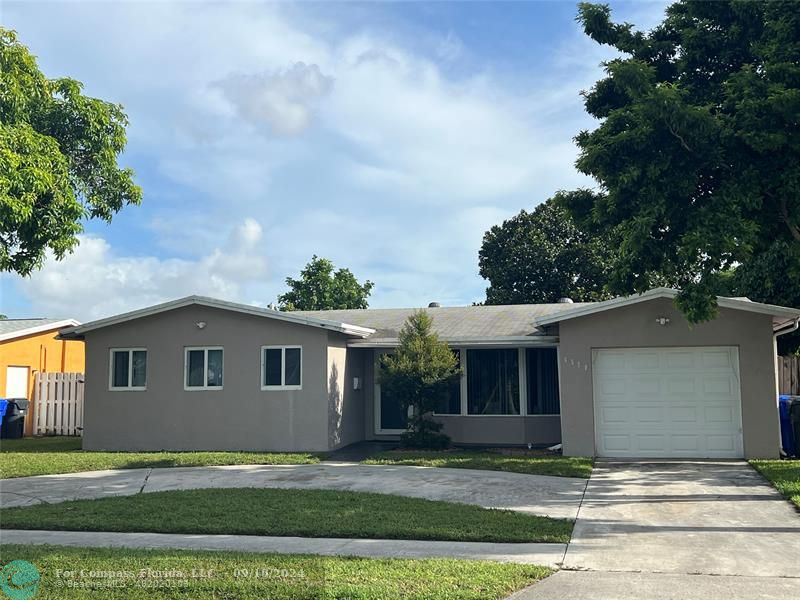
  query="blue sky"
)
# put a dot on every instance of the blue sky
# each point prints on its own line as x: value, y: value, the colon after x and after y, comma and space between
x: 387, y: 137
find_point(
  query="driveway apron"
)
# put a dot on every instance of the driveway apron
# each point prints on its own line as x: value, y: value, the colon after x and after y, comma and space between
x: 698, y: 517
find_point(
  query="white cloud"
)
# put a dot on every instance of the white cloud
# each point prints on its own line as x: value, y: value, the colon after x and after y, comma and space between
x: 95, y: 281
x: 282, y: 101
x: 385, y: 154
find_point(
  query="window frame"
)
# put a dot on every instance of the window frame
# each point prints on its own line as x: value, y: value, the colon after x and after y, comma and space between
x: 130, y: 387
x: 205, y: 386
x: 558, y: 381
x: 262, y: 371
x: 521, y: 383
x: 461, y: 379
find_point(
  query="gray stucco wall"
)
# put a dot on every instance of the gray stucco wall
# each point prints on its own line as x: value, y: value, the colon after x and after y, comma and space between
x: 239, y: 417
x: 345, y: 404
x: 494, y: 430
x: 635, y: 326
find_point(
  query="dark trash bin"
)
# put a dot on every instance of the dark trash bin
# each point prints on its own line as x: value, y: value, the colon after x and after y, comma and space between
x: 13, y: 425
x: 794, y: 421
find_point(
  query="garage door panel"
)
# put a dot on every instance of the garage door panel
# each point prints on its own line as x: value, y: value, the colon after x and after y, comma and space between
x: 683, y: 414
x: 678, y: 360
x: 644, y: 360
x: 681, y: 385
x: 612, y: 360
x: 719, y: 359
x: 617, y: 443
x: 720, y: 415
x: 667, y: 402
x: 649, y: 414
x: 649, y: 443
x: 615, y: 415
x: 613, y: 386
x: 646, y: 384
x: 719, y: 385
x: 685, y: 443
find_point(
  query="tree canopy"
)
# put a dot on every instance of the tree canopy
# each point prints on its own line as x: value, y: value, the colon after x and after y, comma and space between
x: 420, y: 374
x: 58, y: 160
x: 541, y: 256
x: 698, y: 149
x: 321, y: 287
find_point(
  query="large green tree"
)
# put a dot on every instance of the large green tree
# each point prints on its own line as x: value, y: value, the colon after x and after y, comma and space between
x: 58, y: 160
x: 420, y: 374
x: 541, y: 256
x: 697, y: 153
x: 322, y: 287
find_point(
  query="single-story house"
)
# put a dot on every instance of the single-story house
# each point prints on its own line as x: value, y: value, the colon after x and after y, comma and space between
x: 30, y: 346
x: 628, y: 377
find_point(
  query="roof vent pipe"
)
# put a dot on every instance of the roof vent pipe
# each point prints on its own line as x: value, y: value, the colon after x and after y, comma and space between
x: 565, y: 301
x: 434, y: 305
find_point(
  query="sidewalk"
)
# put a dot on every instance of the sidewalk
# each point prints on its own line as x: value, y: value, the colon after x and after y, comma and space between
x: 548, y: 555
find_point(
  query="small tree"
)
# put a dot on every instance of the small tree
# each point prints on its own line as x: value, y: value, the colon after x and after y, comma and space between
x: 420, y: 374
x: 321, y: 288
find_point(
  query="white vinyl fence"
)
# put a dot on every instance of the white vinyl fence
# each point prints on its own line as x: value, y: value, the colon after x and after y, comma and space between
x: 58, y: 404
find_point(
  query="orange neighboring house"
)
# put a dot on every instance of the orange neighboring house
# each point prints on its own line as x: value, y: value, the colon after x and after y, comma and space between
x: 29, y: 346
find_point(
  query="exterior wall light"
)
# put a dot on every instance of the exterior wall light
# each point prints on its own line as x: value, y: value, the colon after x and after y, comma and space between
x: 662, y: 321
x: 201, y: 324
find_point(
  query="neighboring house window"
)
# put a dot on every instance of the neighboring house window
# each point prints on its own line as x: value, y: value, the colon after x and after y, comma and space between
x: 128, y: 369
x: 451, y: 403
x: 542, y: 366
x: 493, y: 382
x: 203, y: 369
x: 281, y: 367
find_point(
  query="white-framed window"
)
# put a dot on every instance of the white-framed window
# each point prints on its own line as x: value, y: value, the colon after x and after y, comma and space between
x: 203, y: 368
x: 127, y: 369
x: 281, y: 367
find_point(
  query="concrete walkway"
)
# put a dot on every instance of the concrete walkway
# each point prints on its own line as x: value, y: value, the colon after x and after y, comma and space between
x: 537, y: 554
x: 557, y: 497
x: 679, y: 530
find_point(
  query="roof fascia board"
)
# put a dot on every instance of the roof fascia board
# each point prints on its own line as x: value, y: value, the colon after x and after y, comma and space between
x: 515, y: 341
x: 732, y: 303
x: 345, y: 328
x: 38, y: 329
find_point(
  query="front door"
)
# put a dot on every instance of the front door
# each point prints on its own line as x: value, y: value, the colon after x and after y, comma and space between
x: 16, y: 382
x: 390, y: 418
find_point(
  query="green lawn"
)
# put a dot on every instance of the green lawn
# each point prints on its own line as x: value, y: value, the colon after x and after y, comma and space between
x: 530, y: 462
x: 49, y: 455
x: 305, y: 513
x: 122, y: 573
x: 783, y: 474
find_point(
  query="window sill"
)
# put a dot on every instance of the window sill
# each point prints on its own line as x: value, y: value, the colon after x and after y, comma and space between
x: 127, y: 389
x: 280, y: 388
x: 202, y: 389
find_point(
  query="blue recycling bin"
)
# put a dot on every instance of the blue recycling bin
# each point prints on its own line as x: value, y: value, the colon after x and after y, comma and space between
x: 789, y: 441
x: 3, y: 407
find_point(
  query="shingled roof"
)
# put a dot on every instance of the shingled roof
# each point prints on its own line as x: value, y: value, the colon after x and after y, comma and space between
x: 15, y: 328
x: 450, y: 323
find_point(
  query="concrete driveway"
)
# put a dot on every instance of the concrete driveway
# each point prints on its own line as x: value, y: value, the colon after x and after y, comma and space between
x: 679, y: 530
x: 557, y: 497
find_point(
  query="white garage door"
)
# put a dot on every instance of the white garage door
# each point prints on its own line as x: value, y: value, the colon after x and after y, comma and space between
x: 667, y: 402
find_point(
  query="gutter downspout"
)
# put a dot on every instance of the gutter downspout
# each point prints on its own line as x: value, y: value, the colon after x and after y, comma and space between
x: 789, y: 329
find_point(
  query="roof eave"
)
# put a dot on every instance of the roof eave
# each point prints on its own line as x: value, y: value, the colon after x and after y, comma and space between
x: 777, y: 312
x: 344, y: 328
x: 477, y: 341
x: 38, y: 329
